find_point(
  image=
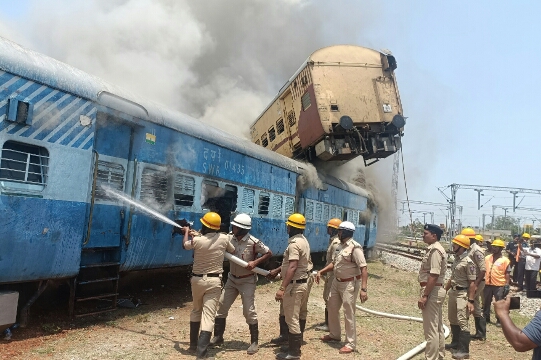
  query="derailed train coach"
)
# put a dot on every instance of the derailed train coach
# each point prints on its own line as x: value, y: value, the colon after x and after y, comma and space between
x: 64, y: 134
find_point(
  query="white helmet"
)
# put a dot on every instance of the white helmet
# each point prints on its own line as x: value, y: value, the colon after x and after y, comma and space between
x: 346, y: 225
x: 243, y: 221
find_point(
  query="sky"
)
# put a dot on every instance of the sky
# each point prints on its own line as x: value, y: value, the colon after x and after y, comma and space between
x: 466, y: 73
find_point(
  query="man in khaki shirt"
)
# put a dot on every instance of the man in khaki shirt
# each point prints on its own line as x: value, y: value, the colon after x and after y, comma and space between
x: 350, y: 274
x: 332, y: 231
x: 293, y: 289
x: 431, y: 278
x: 461, y: 287
x: 208, y: 257
x: 241, y: 280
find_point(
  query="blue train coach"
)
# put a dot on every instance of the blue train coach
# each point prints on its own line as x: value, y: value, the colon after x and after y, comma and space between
x: 64, y: 134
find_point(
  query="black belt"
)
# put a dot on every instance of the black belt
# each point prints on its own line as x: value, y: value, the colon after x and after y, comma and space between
x: 460, y: 288
x: 300, y: 281
x: 208, y: 275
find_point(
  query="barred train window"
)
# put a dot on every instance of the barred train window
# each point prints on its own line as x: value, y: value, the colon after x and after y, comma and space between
x: 184, y: 190
x: 110, y: 175
x: 24, y: 163
x: 309, y: 211
x: 326, y: 212
x: 305, y: 100
x: 248, y: 201
x: 280, y: 126
x: 272, y: 134
x: 264, y: 200
x: 277, y: 206
x: 319, y: 211
x: 264, y: 140
x: 291, y: 118
x: 154, y: 187
x: 289, y: 206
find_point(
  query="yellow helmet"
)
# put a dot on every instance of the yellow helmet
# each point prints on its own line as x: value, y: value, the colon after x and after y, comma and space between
x: 462, y: 240
x: 297, y: 221
x: 212, y: 220
x: 469, y: 232
x: 334, y: 223
x: 526, y: 236
x: 498, y: 242
x: 479, y: 237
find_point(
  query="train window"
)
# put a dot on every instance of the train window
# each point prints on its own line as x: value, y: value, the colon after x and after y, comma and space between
x: 326, y: 213
x: 257, y: 142
x: 305, y: 100
x: 319, y: 211
x: 264, y: 201
x: 334, y: 107
x: 340, y: 213
x: 277, y: 206
x: 153, y: 187
x: 291, y: 118
x: 19, y: 112
x: 264, y: 140
x: 333, y: 212
x: 304, y: 80
x: 110, y: 175
x: 289, y: 206
x: 280, y: 126
x: 24, y: 164
x: 184, y: 190
x: 355, y: 218
x: 309, y: 210
x: 272, y: 134
x: 248, y: 201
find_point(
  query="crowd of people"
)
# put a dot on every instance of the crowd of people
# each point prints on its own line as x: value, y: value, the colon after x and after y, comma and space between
x: 345, y: 276
x: 479, y: 274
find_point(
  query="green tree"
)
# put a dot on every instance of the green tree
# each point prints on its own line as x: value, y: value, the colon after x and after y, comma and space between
x: 504, y: 223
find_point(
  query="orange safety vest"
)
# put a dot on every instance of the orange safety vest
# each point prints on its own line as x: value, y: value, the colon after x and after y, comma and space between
x: 495, y: 271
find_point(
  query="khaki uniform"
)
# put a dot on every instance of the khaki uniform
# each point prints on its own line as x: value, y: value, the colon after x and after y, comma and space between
x: 296, y: 291
x: 463, y: 270
x: 434, y: 262
x: 348, y: 261
x: 240, y: 280
x: 477, y: 254
x: 333, y: 244
x: 209, y: 251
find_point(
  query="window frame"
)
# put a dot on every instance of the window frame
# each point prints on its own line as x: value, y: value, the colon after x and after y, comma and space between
x: 24, y: 185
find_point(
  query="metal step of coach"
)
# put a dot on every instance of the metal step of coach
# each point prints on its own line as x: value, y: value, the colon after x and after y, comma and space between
x: 95, y: 289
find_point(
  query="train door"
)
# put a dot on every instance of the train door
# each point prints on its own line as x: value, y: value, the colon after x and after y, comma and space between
x: 112, y: 150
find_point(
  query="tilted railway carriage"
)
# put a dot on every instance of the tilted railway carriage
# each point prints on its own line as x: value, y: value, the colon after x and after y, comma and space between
x: 64, y: 134
x: 343, y: 102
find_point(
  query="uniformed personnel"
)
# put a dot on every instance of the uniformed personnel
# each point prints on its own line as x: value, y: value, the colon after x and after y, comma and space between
x: 332, y: 231
x: 477, y: 254
x: 461, y: 287
x: 208, y: 258
x: 294, y: 275
x: 431, y: 279
x: 241, y: 280
x: 350, y: 275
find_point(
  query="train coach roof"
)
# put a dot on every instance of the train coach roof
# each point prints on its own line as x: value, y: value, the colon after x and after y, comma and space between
x: 41, y: 68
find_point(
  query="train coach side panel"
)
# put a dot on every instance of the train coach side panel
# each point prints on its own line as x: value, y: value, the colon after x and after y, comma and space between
x: 42, y: 220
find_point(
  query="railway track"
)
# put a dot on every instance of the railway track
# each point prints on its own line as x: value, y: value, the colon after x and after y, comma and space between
x: 411, y: 252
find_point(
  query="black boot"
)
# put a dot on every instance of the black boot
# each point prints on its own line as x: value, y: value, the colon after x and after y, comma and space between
x: 302, y: 324
x: 455, y: 332
x: 254, y: 335
x: 203, y: 344
x: 194, y: 335
x: 219, y: 328
x: 294, y: 349
x: 324, y: 327
x: 284, y: 331
x: 480, y: 329
x: 463, y: 346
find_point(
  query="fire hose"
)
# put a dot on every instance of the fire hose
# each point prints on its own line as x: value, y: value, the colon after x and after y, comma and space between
x: 243, y: 263
x: 416, y: 349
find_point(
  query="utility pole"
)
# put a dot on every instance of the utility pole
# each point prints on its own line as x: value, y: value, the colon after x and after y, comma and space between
x: 479, y: 191
x: 514, y: 199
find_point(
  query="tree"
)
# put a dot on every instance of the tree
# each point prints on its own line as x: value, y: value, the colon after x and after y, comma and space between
x: 505, y: 223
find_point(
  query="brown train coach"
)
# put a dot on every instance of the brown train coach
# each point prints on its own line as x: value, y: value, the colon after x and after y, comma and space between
x: 343, y: 102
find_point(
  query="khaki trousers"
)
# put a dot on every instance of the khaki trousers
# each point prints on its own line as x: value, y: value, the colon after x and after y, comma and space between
x: 291, y: 305
x: 205, y: 293
x: 244, y: 287
x: 343, y: 294
x: 327, y: 287
x: 458, y: 309
x: 433, y: 323
x: 478, y: 308
x: 303, y: 314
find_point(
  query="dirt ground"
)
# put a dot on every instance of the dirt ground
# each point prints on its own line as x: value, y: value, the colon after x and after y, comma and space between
x: 159, y: 329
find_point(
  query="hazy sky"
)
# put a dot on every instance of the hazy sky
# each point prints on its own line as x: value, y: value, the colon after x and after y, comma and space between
x: 467, y: 71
